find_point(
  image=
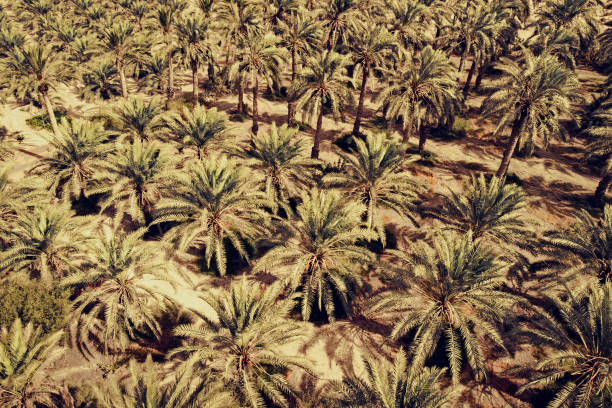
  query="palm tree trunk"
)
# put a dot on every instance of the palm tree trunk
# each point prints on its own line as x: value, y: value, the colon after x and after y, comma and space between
x: 170, y: 75
x: 124, y: 90
x: 194, y: 80
x: 49, y: 107
x: 211, y: 72
x: 290, y: 106
x: 481, y: 70
x: 255, y: 127
x: 364, y: 81
x: 317, y: 135
x: 515, y: 135
x: 463, y: 56
x: 422, y: 140
x: 602, y: 187
x: 241, y: 108
x: 466, y: 88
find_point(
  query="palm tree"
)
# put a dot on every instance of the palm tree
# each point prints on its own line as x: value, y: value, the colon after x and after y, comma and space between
x: 235, y: 19
x: 245, y: 347
x: 423, y: 87
x: 586, y: 244
x: 396, y: 385
x: 46, y: 243
x: 531, y: 97
x: 578, y: 330
x: 193, y: 37
x: 147, y: 387
x: 340, y: 19
x: 215, y: 205
x: 76, y: 157
x: 101, y: 81
x: 578, y: 16
x: 140, y: 118
x: 374, y: 175
x: 280, y: 168
x: 300, y: 36
x: 450, y: 295
x: 140, y: 173
x: 121, y: 42
x: 370, y: 49
x: 600, y: 145
x: 36, y: 67
x: 25, y: 368
x: 323, y: 80
x: 167, y: 15
x: 198, y: 128
x: 261, y: 58
x: 411, y: 22
x: 320, y: 259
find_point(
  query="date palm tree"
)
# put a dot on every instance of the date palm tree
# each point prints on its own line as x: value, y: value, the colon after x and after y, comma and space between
x: 26, y: 378
x: 530, y: 96
x: 340, y: 19
x: 199, y: 128
x: 374, y: 174
x: 215, y: 205
x: 140, y: 118
x: 577, y: 16
x: 423, y: 87
x: 321, y: 258
x: 167, y: 16
x: 46, y: 243
x: 396, y: 385
x: 411, y: 22
x: 280, y: 167
x: 450, y: 294
x: 245, y: 348
x: 100, y: 81
x: 262, y: 58
x: 322, y: 81
x: 36, y: 67
x: 77, y: 156
x: 577, y: 366
x: 193, y: 33
x: 301, y: 37
x: 370, y: 49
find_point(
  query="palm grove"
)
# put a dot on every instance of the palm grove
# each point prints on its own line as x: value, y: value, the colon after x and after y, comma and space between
x: 158, y: 196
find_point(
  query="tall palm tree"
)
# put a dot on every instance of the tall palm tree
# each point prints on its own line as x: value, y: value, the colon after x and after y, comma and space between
x: 340, y: 19
x: 370, y: 50
x: 300, y: 36
x: 586, y: 243
x: 167, y: 16
x: 577, y: 367
x: 374, y: 175
x: 578, y: 16
x: 46, y: 243
x: 530, y: 96
x: 245, y: 348
x: 260, y: 58
x: 198, y: 128
x: 423, y: 88
x: 450, y: 294
x: 26, y: 378
x: 193, y: 34
x: 396, y: 385
x: 140, y: 118
x: 121, y: 42
x: 322, y: 81
x: 600, y: 145
x: 76, y: 156
x: 321, y: 259
x: 410, y: 23
x: 280, y: 168
x: 215, y: 205
x: 139, y: 173
x: 37, y: 67
x: 147, y: 387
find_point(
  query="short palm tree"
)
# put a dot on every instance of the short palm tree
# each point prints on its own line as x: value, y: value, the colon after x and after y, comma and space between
x: 577, y: 367
x: 198, y: 128
x: 245, y: 348
x: 101, y: 81
x: 193, y: 33
x: 370, y: 49
x: 321, y: 258
x: 138, y: 173
x: 77, y: 155
x: 46, y: 243
x: 147, y: 387
x: 450, y: 294
x: 261, y: 58
x: 586, y: 244
x: 140, y: 118
x: 26, y: 378
x: 530, y: 96
x: 395, y: 385
x: 280, y: 167
x: 215, y: 205
x: 322, y: 81
x: 423, y: 88
x: 36, y: 67
x: 374, y: 174
x: 300, y: 36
